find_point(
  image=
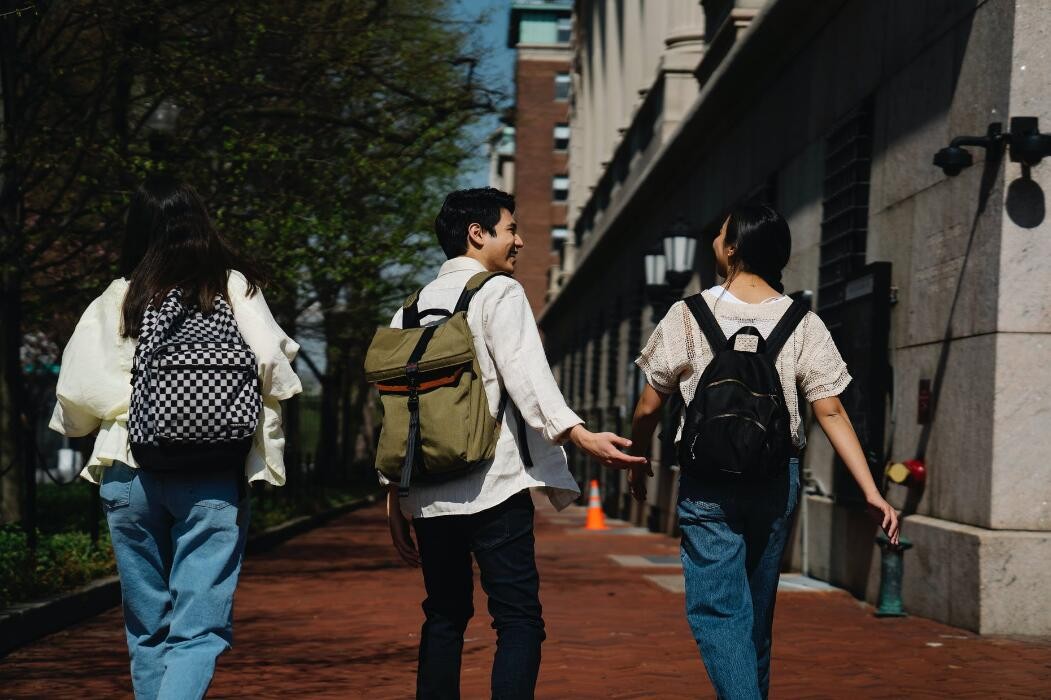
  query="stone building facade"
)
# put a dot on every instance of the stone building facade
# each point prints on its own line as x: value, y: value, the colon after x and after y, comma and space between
x: 935, y: 287
x: 539, y: 31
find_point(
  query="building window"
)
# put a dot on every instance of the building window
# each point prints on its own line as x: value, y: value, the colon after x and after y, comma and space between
x: 845, y: 206
x: 561, y: 86
x: 565, y: 30
x: 560, y: 187
x: 561, y: 137
x: 559, y: 234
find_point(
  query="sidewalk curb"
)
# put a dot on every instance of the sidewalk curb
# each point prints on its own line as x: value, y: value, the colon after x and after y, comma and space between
x: 27, y: 622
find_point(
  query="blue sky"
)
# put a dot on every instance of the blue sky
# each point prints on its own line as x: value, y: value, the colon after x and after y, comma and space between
x: 498, y: 65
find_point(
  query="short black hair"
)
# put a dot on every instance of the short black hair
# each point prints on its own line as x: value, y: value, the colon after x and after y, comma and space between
x: 479, y: 205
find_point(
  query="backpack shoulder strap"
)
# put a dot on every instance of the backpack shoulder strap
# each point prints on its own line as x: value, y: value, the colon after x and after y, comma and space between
x: 785, y: 327
x: 471, y: 288
x: 410, y: 311
x: 707, y: 321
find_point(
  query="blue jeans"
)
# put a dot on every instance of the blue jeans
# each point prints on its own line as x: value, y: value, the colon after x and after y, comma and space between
x: 501, y: 539
x: 178, y: 540
x: 733, y: 537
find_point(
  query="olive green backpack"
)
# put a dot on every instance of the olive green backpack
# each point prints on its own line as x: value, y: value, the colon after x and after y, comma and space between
x: 436, y: 419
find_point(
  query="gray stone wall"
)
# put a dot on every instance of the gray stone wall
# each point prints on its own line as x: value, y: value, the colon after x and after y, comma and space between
x: 969, y: 258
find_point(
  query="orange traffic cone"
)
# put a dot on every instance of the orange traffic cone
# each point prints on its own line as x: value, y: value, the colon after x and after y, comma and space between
x: 596, y: 518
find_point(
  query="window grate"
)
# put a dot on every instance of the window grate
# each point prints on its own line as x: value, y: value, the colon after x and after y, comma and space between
x: 845, y: 205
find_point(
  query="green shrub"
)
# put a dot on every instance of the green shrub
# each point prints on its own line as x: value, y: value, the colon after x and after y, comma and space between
x: 63, y: 561
x: 68, y: 560
x: 67, y: 507
x: 16, y: 573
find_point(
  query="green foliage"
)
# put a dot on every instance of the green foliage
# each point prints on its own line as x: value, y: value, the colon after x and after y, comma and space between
x: 67, y: 508
x: 321, y: 135
x: 63, y: 561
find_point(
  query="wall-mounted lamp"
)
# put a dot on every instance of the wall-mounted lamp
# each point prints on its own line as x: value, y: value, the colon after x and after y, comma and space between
x: 668, y: 274
x: 954, y: 158
x: 1025, y: 143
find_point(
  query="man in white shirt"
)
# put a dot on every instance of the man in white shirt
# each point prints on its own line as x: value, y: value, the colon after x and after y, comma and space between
x: 488, y: 512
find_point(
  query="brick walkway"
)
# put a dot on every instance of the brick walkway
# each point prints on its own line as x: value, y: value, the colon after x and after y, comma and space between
x: 332, y: 614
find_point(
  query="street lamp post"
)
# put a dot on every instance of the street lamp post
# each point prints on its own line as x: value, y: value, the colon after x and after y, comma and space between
x: 667, y: 275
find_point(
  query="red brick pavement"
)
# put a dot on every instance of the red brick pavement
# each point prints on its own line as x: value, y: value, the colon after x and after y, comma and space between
x: 332, y: 614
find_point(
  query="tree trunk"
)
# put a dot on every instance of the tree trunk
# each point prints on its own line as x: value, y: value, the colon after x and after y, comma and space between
x: 11, y: 453
x: 347, y: 422
x: 11, y: 243
x: 328, y: 437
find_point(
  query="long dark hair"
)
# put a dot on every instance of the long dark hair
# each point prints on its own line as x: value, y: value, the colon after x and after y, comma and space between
x: 169, y: 241
x: 762, y: 243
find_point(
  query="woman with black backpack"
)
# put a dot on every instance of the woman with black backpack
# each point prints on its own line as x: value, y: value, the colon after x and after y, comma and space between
x: 180, y: 367
x: 736, y: 354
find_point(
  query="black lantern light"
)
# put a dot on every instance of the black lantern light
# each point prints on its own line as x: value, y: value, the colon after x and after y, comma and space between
x: 679, y: 251
x: 1025, y: 143
x: 668, y: 274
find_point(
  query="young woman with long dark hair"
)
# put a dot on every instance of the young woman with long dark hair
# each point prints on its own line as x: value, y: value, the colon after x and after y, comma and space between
x: 177, y: 510
x: 734, y: 530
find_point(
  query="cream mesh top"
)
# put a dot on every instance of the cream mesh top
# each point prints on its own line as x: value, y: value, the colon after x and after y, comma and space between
x: 677, y: 353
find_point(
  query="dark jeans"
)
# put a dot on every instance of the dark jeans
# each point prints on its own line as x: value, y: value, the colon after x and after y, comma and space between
x: 733, y: 536
x: 501, y: 539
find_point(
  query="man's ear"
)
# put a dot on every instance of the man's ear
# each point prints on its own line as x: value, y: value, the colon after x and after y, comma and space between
x: 475, y: 235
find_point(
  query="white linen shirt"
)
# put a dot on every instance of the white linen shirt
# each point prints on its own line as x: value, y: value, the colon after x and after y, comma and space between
x: 511, y: 358
x: 94, y: 383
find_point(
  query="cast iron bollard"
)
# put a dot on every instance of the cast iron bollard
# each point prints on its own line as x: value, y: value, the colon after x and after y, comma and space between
x: 891, y: 568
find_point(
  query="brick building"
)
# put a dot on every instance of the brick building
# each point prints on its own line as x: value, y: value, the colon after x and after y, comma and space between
x: 540, y: 32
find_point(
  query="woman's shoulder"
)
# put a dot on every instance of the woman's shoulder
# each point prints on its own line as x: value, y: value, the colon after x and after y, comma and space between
x: 115, y: 290
x: 812, y: 327
x: 110, y: 300
x: 236, y: 283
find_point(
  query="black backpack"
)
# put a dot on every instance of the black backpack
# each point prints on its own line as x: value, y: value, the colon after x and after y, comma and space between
x: 737, y: 425
x: 195, y: 398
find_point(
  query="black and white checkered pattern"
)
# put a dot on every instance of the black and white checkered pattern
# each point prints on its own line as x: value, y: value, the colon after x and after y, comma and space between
x: 194, y: 380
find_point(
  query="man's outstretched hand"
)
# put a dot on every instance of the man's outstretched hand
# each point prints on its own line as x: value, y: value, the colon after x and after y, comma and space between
x: 605, y: 448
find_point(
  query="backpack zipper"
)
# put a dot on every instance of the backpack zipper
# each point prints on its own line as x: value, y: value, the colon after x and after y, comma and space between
x: 746, y: 388
x: 737, y: 415
x: 188, y: 365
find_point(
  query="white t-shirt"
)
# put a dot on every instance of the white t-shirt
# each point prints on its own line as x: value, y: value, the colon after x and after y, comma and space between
x: 724, y: 294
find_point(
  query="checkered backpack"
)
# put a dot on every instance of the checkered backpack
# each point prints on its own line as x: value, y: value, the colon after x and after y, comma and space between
x: 195, y: 396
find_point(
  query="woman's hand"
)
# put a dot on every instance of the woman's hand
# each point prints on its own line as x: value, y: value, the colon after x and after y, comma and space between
x: 604, y: 447
x: 886, y: 515
x: 399, y: 529
x: 637, y: 480
x: 643, y: 424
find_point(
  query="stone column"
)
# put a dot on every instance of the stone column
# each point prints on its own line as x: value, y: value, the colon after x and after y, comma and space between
x: 683, y: 50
